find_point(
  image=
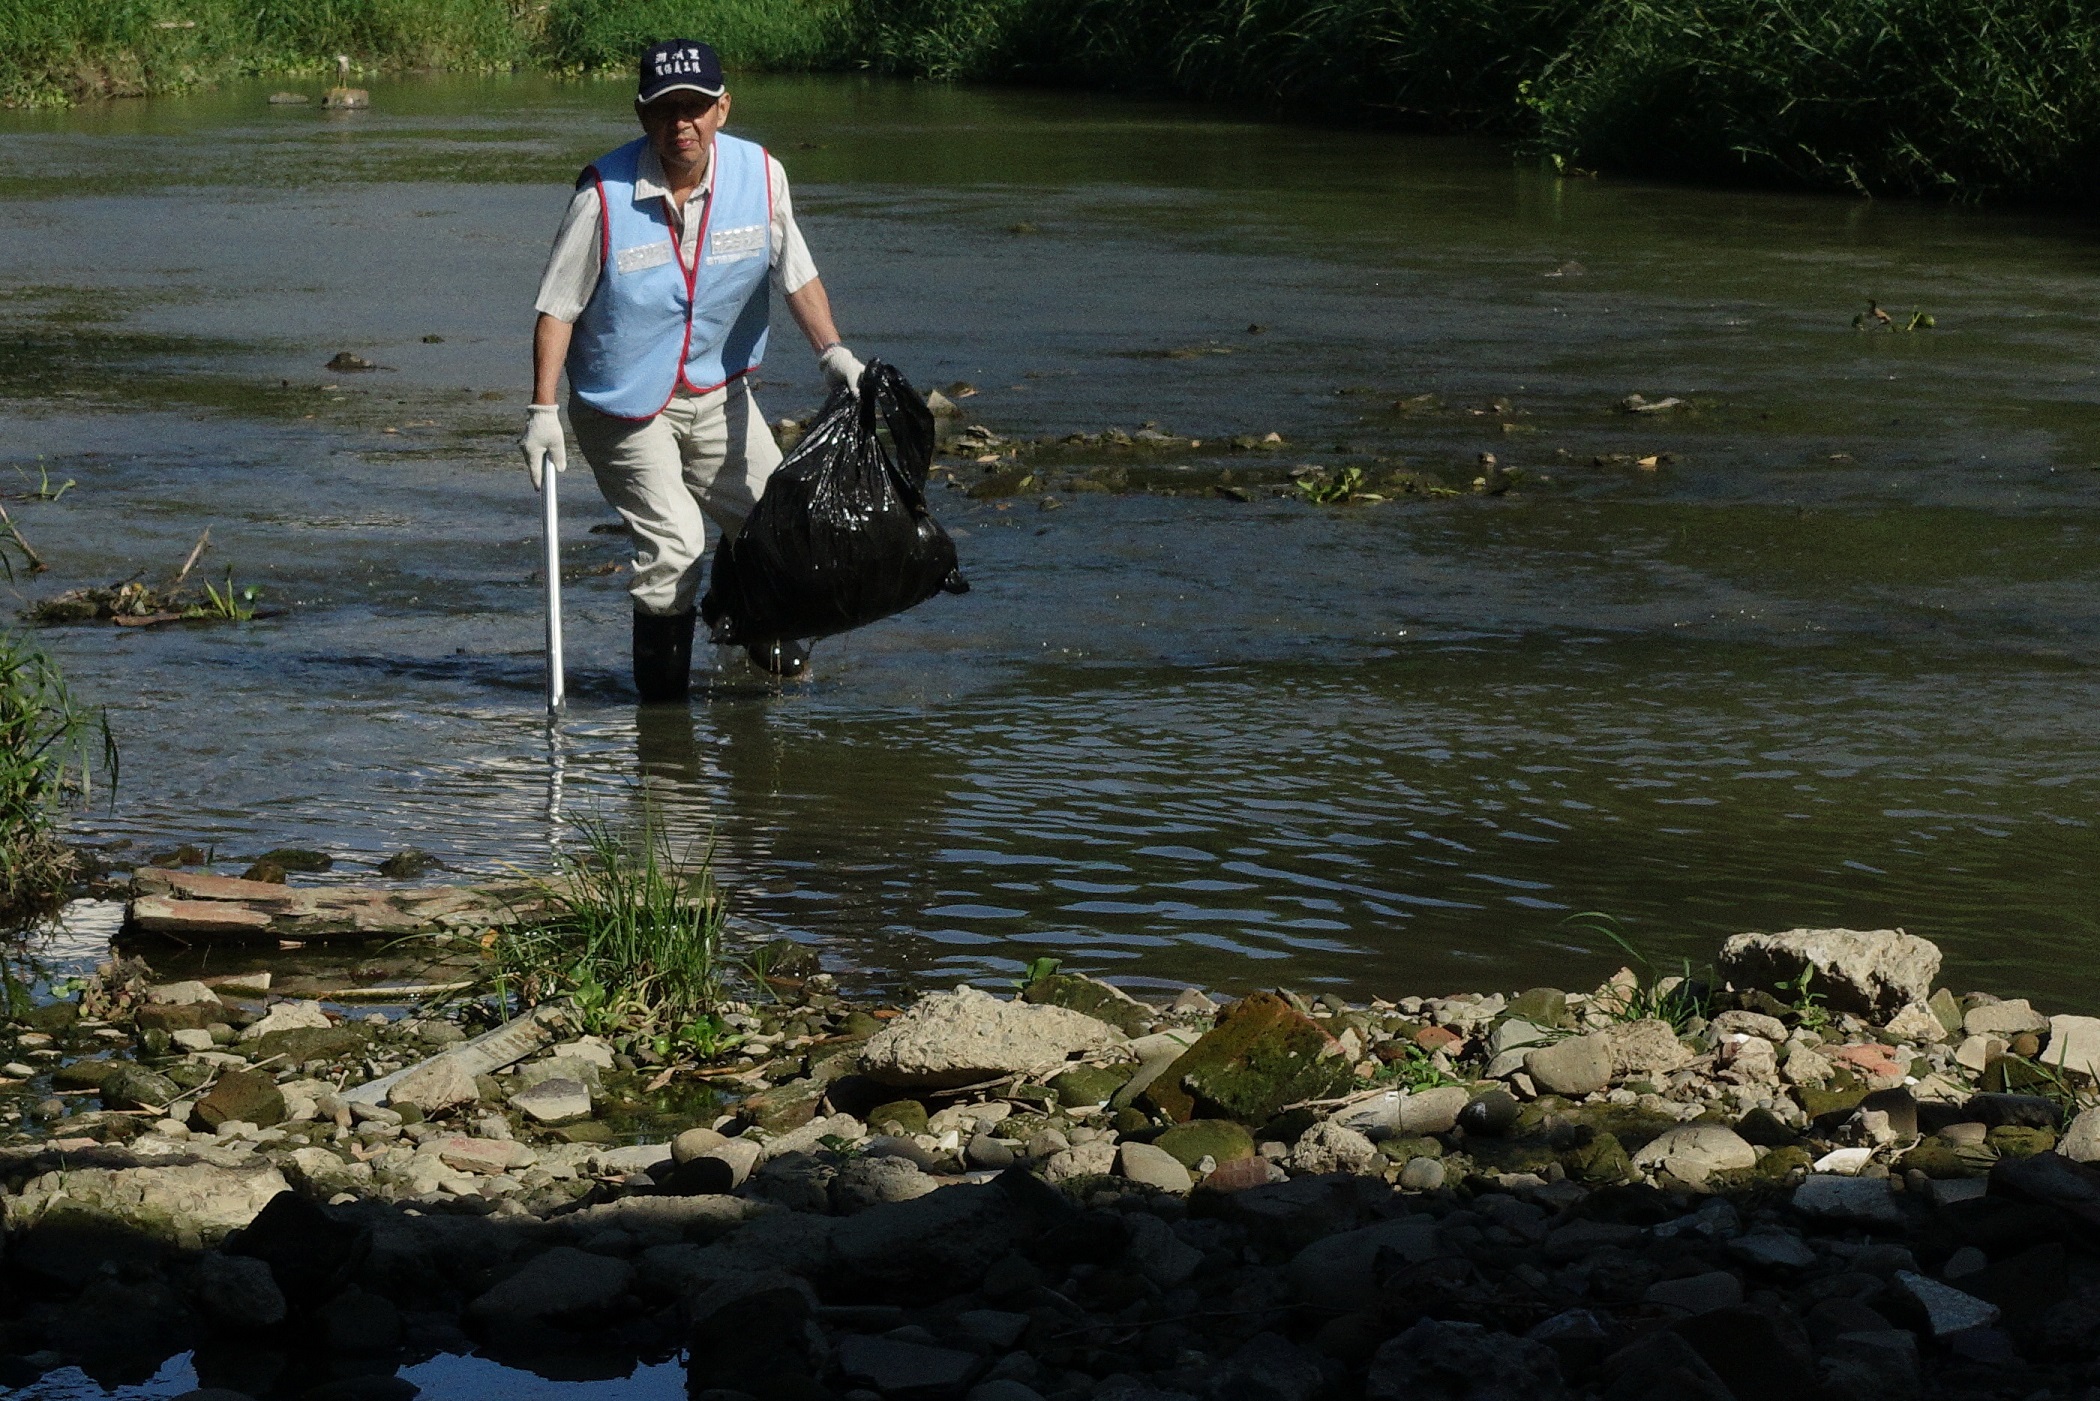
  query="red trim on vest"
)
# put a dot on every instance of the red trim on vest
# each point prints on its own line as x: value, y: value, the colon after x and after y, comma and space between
x: 604, y: 220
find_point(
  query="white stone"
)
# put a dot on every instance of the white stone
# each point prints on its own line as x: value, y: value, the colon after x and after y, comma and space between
x: 1736, y: 1021
x: 1845, y: 1161
x: 1872, y: 972
x: 1917, y: 1024
x: 288, y: 1016
x: 207, y: 1198
x: 967, y: 1036
x: 1975, y: 1052
x: 1329, y: 1147
x: 436, y: 1085
x: 1644, y: 1048
x: 2074, y: 1046
x: 1694, y: 1152
x: 1422, y: 1174
x: 193, y: 1039
x: 554, y: 1101
x: 180, y: 994
x: 2081, y: 1141
x: 1578, y: 1065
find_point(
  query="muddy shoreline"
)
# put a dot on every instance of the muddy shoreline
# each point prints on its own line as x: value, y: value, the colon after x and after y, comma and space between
x: 1864, y: 1185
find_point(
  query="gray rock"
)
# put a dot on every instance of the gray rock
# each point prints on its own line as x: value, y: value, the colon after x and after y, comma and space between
x: 933, y: 1246
x: 1438, y: 1361
x: 693, y: 1142
x: 987, y: 1154
x: 1947, y: 1309
x: 237, y: 1292
x: 563, y: 1283
x: 2006, y: 1019
x: 438, y: 1084
x: 810, y: 1137
x: 1422, y: 1174
x: 1340, y: 1272
x: 1268, y: 1367
x: 1579, y: 1065
x: 1864, y: 1201
x: 1873, y: 972
x: 1695, y: 1294
x: 1432, y: 1111
x: 555, y: 1101
x: 1644, y: 1048
x: 1756, y: 1024
x: 1515, y: 1033
x: 1878, y: 1362
x: 1003, y: 1389
x: 180, y: 994
x: 891, y: 1366
x: 1153, y: 1167
x: 1694, y: 1152
x: 2081, y: 1141
x: 960, y: 1038
x: 865, y: 1182
x: 1159, y: 1254
x: 997, y: 1329
x: 1773, y: 1250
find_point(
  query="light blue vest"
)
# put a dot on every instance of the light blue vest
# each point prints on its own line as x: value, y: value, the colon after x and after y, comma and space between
x: 653, y: 323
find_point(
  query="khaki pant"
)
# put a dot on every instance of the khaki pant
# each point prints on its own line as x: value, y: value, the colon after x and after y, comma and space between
x: 704, y: 458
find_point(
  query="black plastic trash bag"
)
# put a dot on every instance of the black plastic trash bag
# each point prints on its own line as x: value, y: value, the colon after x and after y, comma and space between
x: 841, y: 535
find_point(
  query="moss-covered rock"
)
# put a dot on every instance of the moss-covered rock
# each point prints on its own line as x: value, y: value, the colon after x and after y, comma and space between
x: 1949, y: 1161
x: 1512, y: 1154
x: 1597, y: 1159
x: 783, y: 1108
x: 1218, y: 1139
x: 2016, y: 1141
x: 1261, y: 1056
x: 84, y: 1074
x: 899, y: 1116
x: 250, y: 1096
x: 135, y: 1087
x: 1404, y: 1150
x: 302, y: 1044
x: 1633, y: 1126
x: 859, y: 1025
x: 1084, y: 1085
x: 1079, y: 993
x: 1547, y: 1007
x: 1841, y: 1096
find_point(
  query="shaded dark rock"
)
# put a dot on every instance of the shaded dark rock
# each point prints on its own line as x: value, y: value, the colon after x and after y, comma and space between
x: 365, y: 1388
x: 752, y: 1336
x: 1439, y: 1361
x: 1758, y: 1356
x: 311, y: 1251
x: 179, y: 1016
x: 357, y: 1322
x: 135, y: 1087
x: 302, y: 1044
x: 407, y: 865
x: 296, y: 858
x: 2018, y: 1111
x: 1490, y: 1115
x: 1662, y: 1367
x: 266, y: 872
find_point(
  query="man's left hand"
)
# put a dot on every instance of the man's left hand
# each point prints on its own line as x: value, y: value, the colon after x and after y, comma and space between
x: 840, y: 366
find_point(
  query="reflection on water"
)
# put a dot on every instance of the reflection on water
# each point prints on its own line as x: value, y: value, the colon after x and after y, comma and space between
x: 1831, y: 662
x: 445, y: 1377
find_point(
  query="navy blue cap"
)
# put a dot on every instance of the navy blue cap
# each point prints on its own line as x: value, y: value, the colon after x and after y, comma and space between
x: 679, y: 65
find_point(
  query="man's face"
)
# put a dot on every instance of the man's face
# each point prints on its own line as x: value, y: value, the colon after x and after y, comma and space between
x: 681, y: 124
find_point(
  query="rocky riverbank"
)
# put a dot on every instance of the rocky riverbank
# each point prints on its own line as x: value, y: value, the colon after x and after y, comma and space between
x: 1824, y: 1176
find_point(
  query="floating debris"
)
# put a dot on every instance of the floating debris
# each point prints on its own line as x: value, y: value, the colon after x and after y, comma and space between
x: 347, y: 363
x: 1634, y: 403
x: 289, y: 99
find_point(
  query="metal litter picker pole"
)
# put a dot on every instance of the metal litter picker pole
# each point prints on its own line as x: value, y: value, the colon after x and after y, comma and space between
x: 551, y: 526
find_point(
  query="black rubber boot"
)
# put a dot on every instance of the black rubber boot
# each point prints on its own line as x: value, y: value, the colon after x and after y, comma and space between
x: 785, y: 659
x: 663, y: 657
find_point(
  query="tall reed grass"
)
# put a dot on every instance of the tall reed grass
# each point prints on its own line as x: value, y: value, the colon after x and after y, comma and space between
x: 48, y: 754
x: 1961, y: 98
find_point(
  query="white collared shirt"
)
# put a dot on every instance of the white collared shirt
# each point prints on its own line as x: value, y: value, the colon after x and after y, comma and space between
x: 571, y: 274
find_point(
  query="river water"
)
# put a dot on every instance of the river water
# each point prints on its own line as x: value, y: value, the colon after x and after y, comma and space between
x: 1832, y: 662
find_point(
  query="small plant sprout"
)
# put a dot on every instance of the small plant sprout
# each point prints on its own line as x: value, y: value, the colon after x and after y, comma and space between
x: 232, y: 605
x: 1677, y: 1000
x: 1037, y: 969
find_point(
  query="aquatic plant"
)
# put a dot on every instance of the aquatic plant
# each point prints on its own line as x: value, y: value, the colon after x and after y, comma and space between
x: 232, y: 606
x: 47, y: 759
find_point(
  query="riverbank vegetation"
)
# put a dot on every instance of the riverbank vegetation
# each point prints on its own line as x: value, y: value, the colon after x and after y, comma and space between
x: 1966, y: 99
x: 47, y: 758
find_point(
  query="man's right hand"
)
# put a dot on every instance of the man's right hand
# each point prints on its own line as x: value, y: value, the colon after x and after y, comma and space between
x: 543, y: 444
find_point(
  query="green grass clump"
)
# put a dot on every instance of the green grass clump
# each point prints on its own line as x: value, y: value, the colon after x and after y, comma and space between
x: 46, y: 762
x: 1951, y: 97
x: 630, y: 937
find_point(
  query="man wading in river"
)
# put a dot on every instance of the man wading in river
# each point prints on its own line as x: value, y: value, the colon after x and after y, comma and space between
x: 655, y: 302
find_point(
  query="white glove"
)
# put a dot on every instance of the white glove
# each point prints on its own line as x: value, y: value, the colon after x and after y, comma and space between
x: 840, y: 366
x: 542, y: 443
